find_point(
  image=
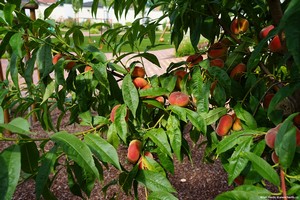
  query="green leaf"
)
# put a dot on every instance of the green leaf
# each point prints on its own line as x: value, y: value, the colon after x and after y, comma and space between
x: 161, y: 195
x: 100, y: 73
x: 86, y: 118
x: 16, y: 42
x: 245, y: 116
x: 149, y: 56
x: 44, y: 171
x: 154, y: 181
x: 44, y: 60
x: 8, y: 12
x: 1, y: 115
x: 159, y: 137
x: 49, y: 91
x: 112, y: 136
x: 181, y: 112
x: 197, y: 120
x: 126, y: 179
x: 213, y: 115
x: 50, y: 8
x: 245, y: 192
x: 130, y: 94
x: 10, y: 162
x: 237, y: 162
x: 263, y: 168
x: 102, y: 149
x: 153, y: 91
x: 76, y: 150
x: 29, y: 157
x: 120, y: 122
x: 14, y: 65
x: 174, y: 134
x: 233, y: 139
x: 17, y: 125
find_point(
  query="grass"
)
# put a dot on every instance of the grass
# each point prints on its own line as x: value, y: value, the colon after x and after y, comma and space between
x: 94, y: 40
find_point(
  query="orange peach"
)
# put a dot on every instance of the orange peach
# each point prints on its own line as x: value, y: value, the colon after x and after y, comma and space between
x: 217, y: 62
x: 194, y: 59
x: 113, y: 113
x: 237, y: 125
x: 275, y: 44
x: 265, y: 31
x: 134, y: 151
x: 88, y: 68
x: 239, y: 26
x: 138, y: 72
x: 160, y: 99
x: 140, y: 82
x: 179, y: 98
x: 224, y: 125
x: 217, y: 50
x: 56, y: 57
x: 238, y: 71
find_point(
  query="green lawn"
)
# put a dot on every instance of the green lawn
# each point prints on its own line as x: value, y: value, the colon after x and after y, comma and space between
x: 94, y: 40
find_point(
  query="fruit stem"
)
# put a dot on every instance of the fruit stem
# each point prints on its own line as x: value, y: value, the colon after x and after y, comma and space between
x: 283, y: 186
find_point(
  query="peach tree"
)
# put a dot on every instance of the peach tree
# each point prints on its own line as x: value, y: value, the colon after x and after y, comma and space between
x: 241, y: 97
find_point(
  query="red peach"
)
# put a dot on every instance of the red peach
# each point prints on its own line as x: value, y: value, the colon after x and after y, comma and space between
x: 194, y: 59
x: 224, y: 125
x: 142, y: 160
x: 217, y: 50
x: 267, y: 99
x: 133, y: 151
x: 270, y: 137
x: 179, y: 99
x: 275, y: 44
x: 274, y: 157
x: 265, y: 31
x: 137, y: 72
x: 113, y: 113
x: 56, y: 57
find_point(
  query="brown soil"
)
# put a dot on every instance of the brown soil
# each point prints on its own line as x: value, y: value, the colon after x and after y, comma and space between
x: 197, y: 180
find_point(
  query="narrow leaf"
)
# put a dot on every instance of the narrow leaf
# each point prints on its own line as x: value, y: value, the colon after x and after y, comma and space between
x: 130, y: 94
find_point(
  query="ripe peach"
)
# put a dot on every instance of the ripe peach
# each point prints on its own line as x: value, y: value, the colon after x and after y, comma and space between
x: 179, y: 99
x: 265, y: 31
x: 239, y: 26
x: 142, y: 160
x: 237, y: 125
x: 56, y: 57
x: 275, y: 44
x: 194, y: 59
x: 297, y: 137
x: 226, y: 42
x: 217, y: 62
x: 160, y: 99
x: 134, y: 151
x: 217, y: 50
x: 224, y: 125
x: 113, y: 113
x: 146, y: 86
x: 267, y: 99
x: 274, y: 157
x: 138, y: 72
x: 88, y: 68
x: 271, y: 136
x: 238, y: 71
x: 140, y: 82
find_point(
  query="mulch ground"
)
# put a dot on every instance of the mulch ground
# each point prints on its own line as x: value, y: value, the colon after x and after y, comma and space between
x: 196, y: 180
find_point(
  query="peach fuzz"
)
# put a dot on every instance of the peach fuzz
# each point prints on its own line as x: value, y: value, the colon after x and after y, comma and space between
x: 134, y: 151
x: 239, y: 26
x: 140, y: 82
x: 179, y: 99
x: 113, y: 113
x: 224, y: 125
